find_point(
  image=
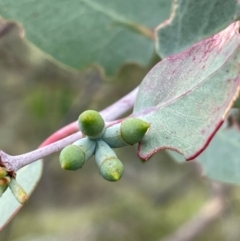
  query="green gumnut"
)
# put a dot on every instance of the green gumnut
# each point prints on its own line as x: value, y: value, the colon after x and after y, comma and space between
x: 3, y: 172
x: 91, y: 124
x: 72, y: 158
x: 4, y: 184
x: 110, y: 167
x: 18, y: 191
x: 133, y: 130
x: 3, y: 189
x: 128, y: 132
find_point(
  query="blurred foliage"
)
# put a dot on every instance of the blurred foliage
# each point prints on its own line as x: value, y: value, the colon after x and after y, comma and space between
x: 192, y: 21
x: 79, y: 33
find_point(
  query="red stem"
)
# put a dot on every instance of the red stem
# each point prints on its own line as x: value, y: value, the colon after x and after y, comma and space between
x: 61, y: 133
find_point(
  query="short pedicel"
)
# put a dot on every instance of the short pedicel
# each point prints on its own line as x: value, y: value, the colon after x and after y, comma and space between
x: 73, y: 157
x: 110, y: 167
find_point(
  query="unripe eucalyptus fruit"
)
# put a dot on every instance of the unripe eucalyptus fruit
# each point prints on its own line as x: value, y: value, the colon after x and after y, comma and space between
x: 91, y: 124
x: 73, y: 157
x: 18, y: 191
x: 4, y: 184
x: 133, y: 130
x: 130, y: 131
x: 110, y: 167
x: 4, y: 181
x: 3, y: 189
x: 3, y: 172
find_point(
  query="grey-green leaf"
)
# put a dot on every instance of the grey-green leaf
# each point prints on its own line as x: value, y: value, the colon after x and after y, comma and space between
x: 21, y: 61
x: 28, y: 178
x: 221, y: 159
x: 186, y: 96
x: 83, y: 32
x: 192, y: 21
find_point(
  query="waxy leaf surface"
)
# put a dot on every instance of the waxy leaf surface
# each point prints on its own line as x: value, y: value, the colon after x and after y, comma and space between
x: 83, y: 32
x: 193, y: 20
x: 21, y: 61
x: 221, y: 159
x: 186, y: 96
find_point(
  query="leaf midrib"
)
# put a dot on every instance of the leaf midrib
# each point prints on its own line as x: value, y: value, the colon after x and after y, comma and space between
x: 119, y: 19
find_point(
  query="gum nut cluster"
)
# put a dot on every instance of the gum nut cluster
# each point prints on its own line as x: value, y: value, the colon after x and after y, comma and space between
x: 99, y: 141
x: 7, y: 181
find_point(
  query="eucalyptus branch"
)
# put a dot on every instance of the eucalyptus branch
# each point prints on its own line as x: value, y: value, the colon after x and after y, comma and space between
x: 13, y: 163
x: 55, y: 142
x: 109, y: 114
x: 120, y: 107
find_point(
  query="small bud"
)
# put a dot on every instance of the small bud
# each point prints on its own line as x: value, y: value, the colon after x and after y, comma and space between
x: 91, y: 124
x: 72, y: 158
x: 3, y: 189
x: 130, y: 131
x: 110, y: 167
x: 133, y: 130
x: 4, y: 184
x: 18, y: 191
x: 4, y: 181
x: 3, y: 172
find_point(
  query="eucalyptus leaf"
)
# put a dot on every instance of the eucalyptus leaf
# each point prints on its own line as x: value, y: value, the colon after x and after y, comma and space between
x: 186, y: 96
x: 193, y: 20
x: 22, y: 61
x: 28, y: 178
x: 221, y: 159
x: 83, y: 32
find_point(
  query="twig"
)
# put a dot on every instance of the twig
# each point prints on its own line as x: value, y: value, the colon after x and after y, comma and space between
x: 55, y: 141
x: 109, y: 114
